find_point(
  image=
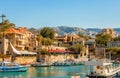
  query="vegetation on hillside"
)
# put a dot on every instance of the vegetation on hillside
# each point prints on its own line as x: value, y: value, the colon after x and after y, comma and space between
x: 114, y: 50
x: 117, y: 38
x: 103, y: 39
x: 47, y: 32
x: 84, y: 36
x: 76, y: 47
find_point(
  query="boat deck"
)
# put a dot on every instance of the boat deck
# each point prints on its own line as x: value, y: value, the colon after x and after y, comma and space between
x: 110, y: 75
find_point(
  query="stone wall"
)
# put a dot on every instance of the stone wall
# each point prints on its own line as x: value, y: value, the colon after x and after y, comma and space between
x: 23, y: 59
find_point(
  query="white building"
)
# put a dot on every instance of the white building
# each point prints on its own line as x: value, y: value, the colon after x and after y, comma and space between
x: 113, y: 44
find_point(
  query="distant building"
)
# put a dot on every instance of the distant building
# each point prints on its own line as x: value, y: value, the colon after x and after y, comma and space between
x: 113, y: 44
x: 100, y: 52
x: 68, y: 38
x: 109, y: 31
x: 91, y: 45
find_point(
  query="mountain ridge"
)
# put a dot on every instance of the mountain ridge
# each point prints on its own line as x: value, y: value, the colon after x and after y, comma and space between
x: 62, y: 30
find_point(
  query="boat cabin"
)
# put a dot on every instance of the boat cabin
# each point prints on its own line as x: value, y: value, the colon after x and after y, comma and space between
x: 5, y: 63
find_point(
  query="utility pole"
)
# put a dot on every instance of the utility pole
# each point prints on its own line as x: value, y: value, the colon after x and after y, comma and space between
x: 2, y: 16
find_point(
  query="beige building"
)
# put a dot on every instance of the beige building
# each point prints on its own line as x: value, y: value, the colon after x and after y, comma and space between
x: 3, y: 46
x: 20, y: 38
x: 68, y: 38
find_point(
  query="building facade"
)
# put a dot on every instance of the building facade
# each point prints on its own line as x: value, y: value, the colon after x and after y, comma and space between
x: 113, y: 44
x: 20, y: 38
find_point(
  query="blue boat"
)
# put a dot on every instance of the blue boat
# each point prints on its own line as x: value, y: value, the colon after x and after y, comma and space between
x: 6, y: 66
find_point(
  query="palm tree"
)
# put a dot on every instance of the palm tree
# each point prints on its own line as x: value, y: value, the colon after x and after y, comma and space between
x: 3, y: 16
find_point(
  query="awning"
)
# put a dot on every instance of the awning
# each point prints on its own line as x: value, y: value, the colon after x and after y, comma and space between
x: 22, y: 52
x: 28, y: 53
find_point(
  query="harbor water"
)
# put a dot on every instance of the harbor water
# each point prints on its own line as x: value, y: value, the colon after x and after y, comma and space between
x: 50, y: 72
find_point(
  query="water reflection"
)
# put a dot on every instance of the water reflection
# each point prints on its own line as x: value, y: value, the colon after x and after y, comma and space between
x: 13, y: 74
x: 58, y: 72
x: 48, y: 72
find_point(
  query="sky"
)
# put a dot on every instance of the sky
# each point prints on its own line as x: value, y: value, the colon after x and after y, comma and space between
x: 53, y: 13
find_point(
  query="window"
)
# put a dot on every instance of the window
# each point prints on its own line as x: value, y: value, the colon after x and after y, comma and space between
x: 26, y: 48
x: 34, y: 49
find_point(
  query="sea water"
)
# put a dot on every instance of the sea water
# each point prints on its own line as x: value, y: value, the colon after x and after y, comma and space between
x: 50, y: 72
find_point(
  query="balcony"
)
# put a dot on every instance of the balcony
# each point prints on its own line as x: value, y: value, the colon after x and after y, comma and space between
x: 19, y: 39
x: 19, y: 46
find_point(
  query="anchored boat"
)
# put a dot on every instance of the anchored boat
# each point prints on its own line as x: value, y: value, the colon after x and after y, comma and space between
x: 103, y: 69
x: 6, y: 66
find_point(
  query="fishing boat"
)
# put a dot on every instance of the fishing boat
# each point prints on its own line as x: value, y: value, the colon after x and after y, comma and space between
x: 65, y: 63
x: 39, y: 64
x: 102, y: 69
x: 6, y: 66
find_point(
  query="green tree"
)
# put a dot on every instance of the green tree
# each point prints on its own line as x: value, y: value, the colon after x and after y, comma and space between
x: 4, y: 26
x: 47, y: 32
x: 47, y: 41
x: 103, y: 39
x: 76, y: 47
x: 84, y: 36
x: 114, y: 50
x: 117, y: 38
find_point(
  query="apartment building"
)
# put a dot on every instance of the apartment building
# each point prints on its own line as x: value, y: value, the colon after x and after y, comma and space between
x: 20, y: 38
x: 68, y: 38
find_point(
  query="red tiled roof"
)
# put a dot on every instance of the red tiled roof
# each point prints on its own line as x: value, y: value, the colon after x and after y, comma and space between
x: 18, y: 31
x: 12, y: 30
x: 23, y: 30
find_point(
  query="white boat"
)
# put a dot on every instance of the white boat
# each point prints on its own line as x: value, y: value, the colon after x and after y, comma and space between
x: 102, y: 69
x: 64, y: 63
x: 39, y: 64
x: 6, y: 66
x: 61, y: 63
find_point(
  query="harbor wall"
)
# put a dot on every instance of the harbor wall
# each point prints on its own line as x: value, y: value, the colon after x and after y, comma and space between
x: 47, y: 58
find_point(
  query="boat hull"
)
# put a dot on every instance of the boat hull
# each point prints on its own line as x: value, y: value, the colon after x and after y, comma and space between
x: 99, y: 76
x: 14, y: 69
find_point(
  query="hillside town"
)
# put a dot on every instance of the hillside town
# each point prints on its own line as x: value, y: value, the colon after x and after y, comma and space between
x: 22, y: 47
x: 59, y: 39
x: 45, y: 44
